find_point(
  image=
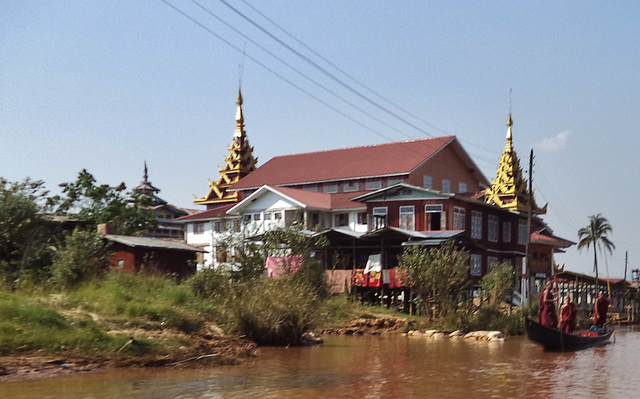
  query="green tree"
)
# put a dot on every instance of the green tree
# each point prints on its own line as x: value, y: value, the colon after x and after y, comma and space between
x: 497, y: 285
x: 439, y: 275
x: 595, y: 234
x: 85, y: 200
x: 27, y: 241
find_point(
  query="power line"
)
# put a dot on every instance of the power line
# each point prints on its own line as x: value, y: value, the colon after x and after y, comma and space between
x: 324, y: 71
x: 341, y: 70
x: 299, y: 72
x: 274, y: 72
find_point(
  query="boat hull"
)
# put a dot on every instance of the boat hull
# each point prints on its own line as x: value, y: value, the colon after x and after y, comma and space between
x: 552, y: 339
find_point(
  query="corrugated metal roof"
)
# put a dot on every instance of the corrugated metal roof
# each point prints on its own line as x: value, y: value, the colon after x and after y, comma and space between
x: 147, y: 242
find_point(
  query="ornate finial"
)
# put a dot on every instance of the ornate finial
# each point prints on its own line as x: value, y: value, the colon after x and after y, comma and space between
x: 146, y: 172
x: 509, y: 124
x: 239, y: 117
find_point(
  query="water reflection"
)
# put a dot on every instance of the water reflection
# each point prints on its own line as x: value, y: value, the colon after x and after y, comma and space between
x: 374, y: 367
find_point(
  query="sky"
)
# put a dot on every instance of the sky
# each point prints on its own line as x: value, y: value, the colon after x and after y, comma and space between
x: 106, y: 86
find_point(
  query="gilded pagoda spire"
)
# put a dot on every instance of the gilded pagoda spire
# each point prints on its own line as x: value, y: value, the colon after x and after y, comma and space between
x: 238, y: 163
x: 509, y: 188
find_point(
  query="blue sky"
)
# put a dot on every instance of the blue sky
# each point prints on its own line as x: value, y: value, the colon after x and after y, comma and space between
x: 107, y: 85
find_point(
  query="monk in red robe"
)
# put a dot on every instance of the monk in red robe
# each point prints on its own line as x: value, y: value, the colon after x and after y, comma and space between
x: 600, y: 311
x: 568, y: 313
x: 548, y: 316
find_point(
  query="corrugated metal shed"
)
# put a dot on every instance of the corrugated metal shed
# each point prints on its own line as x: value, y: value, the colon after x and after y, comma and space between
x: 146, y: 242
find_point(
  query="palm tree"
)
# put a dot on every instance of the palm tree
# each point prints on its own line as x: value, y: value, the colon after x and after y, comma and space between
x: 596, y: 234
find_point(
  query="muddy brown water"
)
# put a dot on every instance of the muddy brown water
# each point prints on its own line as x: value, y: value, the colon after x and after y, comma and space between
x: 391, y: 366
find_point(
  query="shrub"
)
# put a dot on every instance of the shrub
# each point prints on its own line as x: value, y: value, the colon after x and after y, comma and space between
x: 276, y: 311
x: 84, y: 257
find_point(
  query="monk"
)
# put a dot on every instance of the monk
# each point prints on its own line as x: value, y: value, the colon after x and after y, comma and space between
x: 568, y: 313
x: 548, y: 316
x: 600, y: 310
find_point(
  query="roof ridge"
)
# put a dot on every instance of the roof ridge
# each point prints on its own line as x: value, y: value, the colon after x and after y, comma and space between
x: 449, y: 137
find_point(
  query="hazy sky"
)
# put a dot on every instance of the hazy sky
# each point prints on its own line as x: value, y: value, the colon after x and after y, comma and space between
x: 107, y: 85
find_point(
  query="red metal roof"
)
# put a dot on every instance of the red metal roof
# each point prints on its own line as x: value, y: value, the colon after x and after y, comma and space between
x: 550, y: 240
x: 345, y: 163
x: 220, y: 211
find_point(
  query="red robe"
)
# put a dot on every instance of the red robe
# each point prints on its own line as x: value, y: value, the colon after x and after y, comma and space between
x: 548, y: 316
x: 568, y: 317
x: 600, y: 312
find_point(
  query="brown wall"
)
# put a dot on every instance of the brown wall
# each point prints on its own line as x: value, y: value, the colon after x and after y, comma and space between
x: 446, y: 164
x: 179, y: 263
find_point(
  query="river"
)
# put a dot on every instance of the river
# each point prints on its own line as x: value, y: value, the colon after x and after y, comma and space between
x: 391, y: 366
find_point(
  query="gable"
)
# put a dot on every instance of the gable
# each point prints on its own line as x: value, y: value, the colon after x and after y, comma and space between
x: 401, y: 192
x: 270, y: 201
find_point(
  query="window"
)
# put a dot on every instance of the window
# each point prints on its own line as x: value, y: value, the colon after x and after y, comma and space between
x: 446, y: 186
x: 492, y: 262
x: 393, y: 181
x: 407, y: 217
x: 476, y: 265
x: 427, y: 181
x: 434, y: 217
x: 462, y: 187
x: 198, y: 228
x: 476, y: 225
x: 256, y: 216
x: 522, y: 232
x: 458, y: 218
x: 217, y: 226
x: 506, y: 231
x: 246, y: 217
x: 267, y: 216
x: 341, y: 219
x: 373, y: 184
x: 492, y: 234
x: 379, y: 217
x: 331, y: 188
x: 310, y: 188
x: 362, y: 218
x: 351, y: 186
x: 277, y: 215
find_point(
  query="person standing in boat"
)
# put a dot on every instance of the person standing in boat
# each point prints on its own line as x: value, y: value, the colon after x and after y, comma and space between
x: 600, y: 310
x: 548, y: 315
x: 568, y: 313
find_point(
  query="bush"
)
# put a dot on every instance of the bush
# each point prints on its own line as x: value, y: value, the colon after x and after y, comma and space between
x: 209, y: 283
x: 276, y: 311
x: 84, y: 257
x: 493, y: 318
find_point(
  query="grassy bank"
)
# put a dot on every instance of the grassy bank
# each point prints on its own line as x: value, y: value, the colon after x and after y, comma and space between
x: 148, y: 317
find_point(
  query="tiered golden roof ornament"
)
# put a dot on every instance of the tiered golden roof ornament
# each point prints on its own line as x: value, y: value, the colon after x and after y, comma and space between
x: 239, y: 163
x: 509, y: 189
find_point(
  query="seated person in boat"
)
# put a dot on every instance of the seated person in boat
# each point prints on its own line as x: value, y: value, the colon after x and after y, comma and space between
x: 600, y: 311
x: 568, y: 313
x: 548, y: 314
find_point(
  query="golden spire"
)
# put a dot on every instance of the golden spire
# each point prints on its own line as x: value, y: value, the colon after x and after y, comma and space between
x: 509, y: 188
x: 238, y: 163
x: 239, y: 117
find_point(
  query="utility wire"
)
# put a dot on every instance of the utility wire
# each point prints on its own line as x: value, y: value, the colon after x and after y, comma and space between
x: 337, y: 68
x: 341, y: 70
x: 299, y: 72
x: 324, y: 71
x: 274, y: 72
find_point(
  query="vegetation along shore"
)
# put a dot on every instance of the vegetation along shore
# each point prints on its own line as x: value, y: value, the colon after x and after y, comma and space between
x: 64, y: 309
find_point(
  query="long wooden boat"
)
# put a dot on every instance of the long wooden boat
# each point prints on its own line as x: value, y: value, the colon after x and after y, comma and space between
x: 552, y: 339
